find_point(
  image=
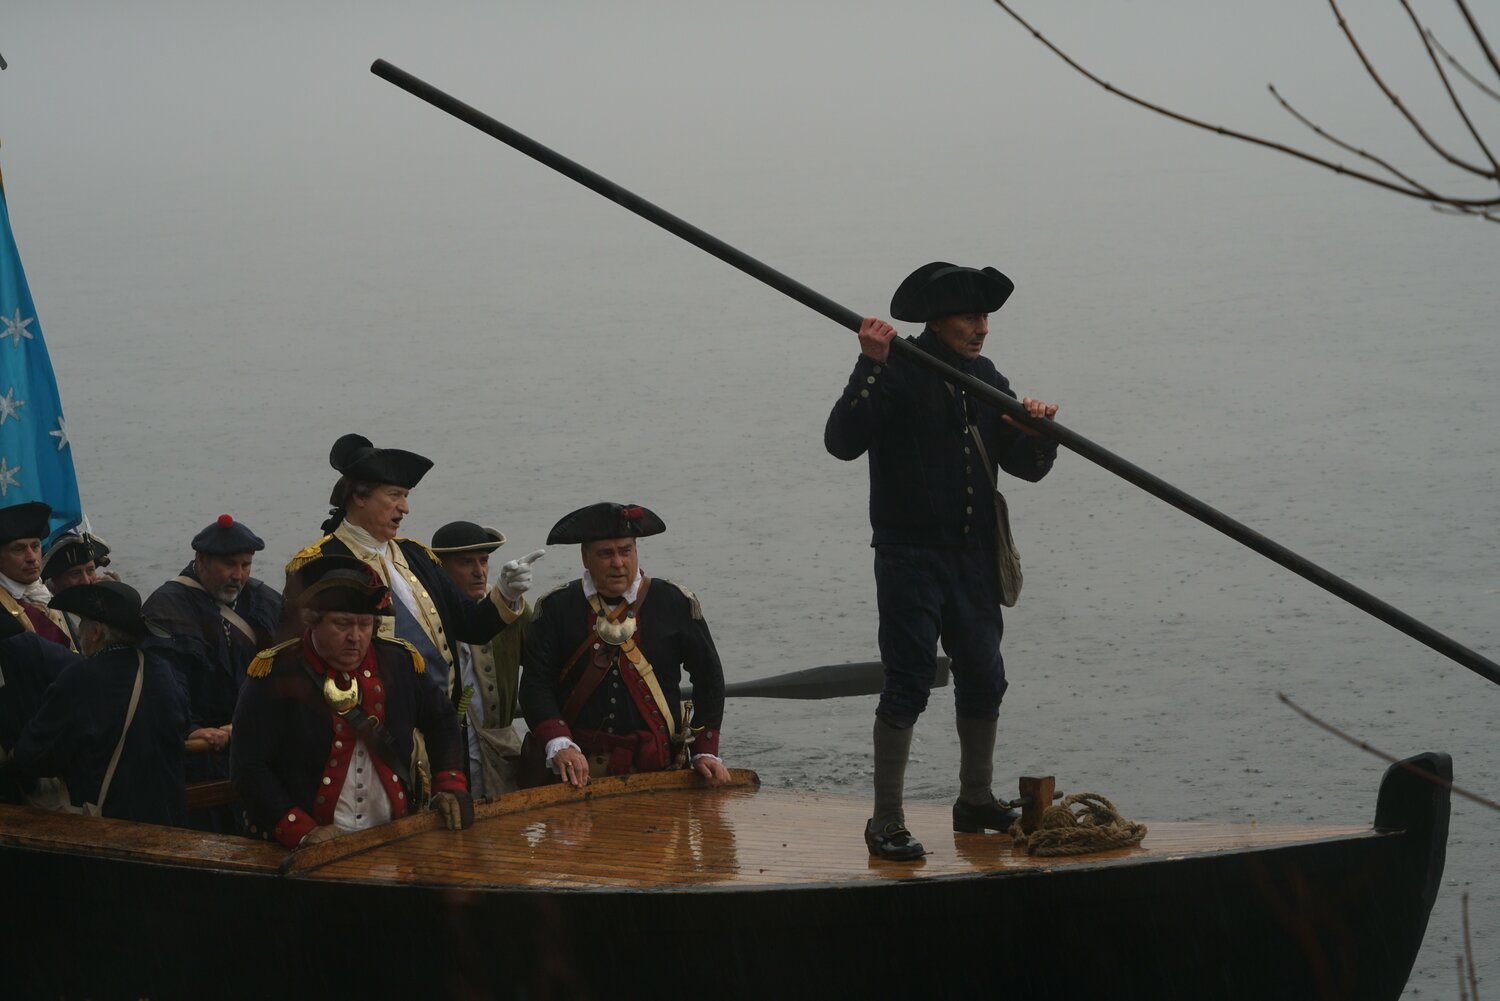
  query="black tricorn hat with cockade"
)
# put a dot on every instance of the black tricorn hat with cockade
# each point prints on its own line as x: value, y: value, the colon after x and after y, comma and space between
x: 605, y: 521
x: 69, y: 551
x: 943, y: 289
x: 466, y: 537
x: 355, y: 457
x: 108, y: 601
x: 343, y: 584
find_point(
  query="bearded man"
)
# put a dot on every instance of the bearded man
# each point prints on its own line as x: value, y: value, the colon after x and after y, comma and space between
x: 216, y: 618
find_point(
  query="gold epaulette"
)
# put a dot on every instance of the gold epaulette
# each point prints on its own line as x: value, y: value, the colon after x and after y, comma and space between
x: 692, y: 598
x: 307, y: 555
x: 261, y: 665
x: 417, y: 663
x: 423, y: 546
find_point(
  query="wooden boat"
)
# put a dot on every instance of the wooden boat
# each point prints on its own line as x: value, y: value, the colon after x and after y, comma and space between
x: 655, y: 884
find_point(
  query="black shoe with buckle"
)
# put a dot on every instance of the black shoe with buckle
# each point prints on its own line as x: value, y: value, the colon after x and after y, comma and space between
x: 974, y: 818
x: 893, y: 842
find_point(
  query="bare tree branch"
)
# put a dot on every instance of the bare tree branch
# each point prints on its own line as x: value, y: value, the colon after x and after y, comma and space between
x: 1484, y: 208
x: 1484, y: 43
x: 1323, y: 134
x: 1390, y: 758
x: 1457, y: 104
x: 1460, y: 67
x: 1400, y: 106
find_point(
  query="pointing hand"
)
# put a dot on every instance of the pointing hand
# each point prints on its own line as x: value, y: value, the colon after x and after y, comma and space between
x: 515, y: 576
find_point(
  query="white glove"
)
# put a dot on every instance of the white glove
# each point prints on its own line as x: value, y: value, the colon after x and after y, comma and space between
x: 515, y: 576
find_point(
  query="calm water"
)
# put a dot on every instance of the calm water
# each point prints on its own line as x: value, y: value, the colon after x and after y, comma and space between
x: 242, y: 245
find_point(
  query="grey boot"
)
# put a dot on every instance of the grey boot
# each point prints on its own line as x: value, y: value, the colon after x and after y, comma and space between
x: 886, y: 833
x: 892, y: 746
x: 976, y: 760
x: 976, y: 809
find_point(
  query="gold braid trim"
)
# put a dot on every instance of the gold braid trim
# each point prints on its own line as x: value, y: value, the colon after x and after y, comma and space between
x: 306, y: 556
x: 417, y: 663
x: 261, y: 665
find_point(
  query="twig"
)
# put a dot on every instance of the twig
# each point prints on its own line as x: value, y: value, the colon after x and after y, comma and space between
x: 1469, y: 953
x: 1324, y: 134
x: 1463, y: 984
x: 1460, y: 67
x: 1457, y: 104
x: 1419, y: 772
x: 1475, y: 205
x: 1484, y: 43
x: 1401, y: 107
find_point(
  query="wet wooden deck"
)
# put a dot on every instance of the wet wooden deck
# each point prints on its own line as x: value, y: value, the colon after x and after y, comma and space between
x: 655, y: 832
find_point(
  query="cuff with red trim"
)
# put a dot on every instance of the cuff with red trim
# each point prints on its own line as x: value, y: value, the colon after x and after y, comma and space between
x: 551, y: 729
x: 706, y: 741
x: 450, y: 780
x: 292, y: 826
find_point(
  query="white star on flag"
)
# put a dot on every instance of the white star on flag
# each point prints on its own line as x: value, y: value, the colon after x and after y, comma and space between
x: 15, y: 328
x: 61, y: 434
x: 8, y: 476
x: 9, y: 405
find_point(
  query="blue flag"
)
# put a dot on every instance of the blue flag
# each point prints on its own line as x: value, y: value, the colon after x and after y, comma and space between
x: 36, y: 461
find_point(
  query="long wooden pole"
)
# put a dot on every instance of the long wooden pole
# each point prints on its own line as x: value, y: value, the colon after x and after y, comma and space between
x: 846, y: 317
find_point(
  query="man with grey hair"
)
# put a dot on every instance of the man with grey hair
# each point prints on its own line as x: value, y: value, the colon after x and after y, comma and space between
x: 489, y: 673
x: 216, y: 618
x: 111, y: 725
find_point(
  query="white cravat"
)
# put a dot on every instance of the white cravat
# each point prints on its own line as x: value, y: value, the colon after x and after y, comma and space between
x: 367, y: 547
x: 589, y: 590
x: 36, y: 592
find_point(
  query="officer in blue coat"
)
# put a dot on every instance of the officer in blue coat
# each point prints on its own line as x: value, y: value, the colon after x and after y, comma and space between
x: 216, y: 618
x: 370, y: 500
x: 933, y: 455
x: 120, y: 686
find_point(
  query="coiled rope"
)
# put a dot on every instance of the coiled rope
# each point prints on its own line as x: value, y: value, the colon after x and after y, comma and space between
x: 1097, y: 826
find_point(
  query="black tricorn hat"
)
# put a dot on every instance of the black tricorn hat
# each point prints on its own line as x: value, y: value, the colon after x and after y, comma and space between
x: 69, y: 551
x: 354, y: 457
x: 24, y: 521
x: 466, y: 537
x: 226, y: 537
x: 943, y: 289
x: 343, y: 584
x: 111, y: 602
x: 605, y: 521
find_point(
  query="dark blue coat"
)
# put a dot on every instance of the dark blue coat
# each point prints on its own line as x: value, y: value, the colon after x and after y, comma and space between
x: 210, y: 655
x: 927, y: 485
x: 29, y: 665
x: 74, y: 732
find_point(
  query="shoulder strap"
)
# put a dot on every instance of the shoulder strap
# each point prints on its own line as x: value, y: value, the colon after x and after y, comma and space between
x: 230, y: 615
x: 135, y: 698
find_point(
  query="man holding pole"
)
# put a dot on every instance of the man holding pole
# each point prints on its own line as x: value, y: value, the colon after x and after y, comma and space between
x: 938, y: 522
